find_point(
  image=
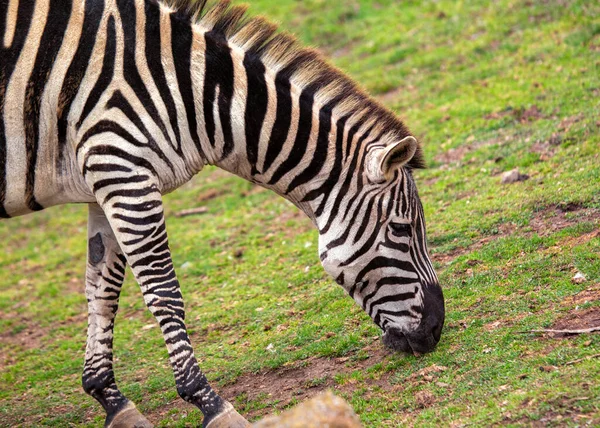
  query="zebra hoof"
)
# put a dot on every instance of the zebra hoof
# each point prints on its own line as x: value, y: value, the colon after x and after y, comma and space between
x: 129, y: 417
x: 228, y: 418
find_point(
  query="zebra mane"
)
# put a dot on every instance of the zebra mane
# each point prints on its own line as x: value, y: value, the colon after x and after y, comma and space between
x: 305, y: 67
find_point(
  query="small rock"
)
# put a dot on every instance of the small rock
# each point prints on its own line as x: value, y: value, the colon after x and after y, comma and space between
x: 579, y: 278
x: 325, y: 410
x: 271, y: 348
x: 186, y: 266
x: 513, y: 176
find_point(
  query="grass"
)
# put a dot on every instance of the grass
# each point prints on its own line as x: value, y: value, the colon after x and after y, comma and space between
x: 487, y: 87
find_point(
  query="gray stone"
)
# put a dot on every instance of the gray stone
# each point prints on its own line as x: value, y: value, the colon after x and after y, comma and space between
x: 325, y: 410
x: 513, y: 176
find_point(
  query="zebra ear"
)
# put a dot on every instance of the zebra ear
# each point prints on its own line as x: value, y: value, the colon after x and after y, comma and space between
x: 385, y: 161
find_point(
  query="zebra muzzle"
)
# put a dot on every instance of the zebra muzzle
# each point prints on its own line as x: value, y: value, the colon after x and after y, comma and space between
x: 416, y: 343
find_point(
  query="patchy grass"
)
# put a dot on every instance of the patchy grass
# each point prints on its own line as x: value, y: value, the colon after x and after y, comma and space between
x: 487, y: 87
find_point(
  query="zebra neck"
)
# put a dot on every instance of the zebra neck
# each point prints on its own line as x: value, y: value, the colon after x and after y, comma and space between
x: 262, y: 127
x: 261, y: 107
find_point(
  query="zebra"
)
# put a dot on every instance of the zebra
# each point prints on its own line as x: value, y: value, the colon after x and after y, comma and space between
x: 114, y: 103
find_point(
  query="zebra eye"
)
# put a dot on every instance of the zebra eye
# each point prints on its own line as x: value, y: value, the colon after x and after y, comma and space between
x: 401, y: 230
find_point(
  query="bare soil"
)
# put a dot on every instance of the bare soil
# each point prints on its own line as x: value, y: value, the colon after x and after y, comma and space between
x: 300, y: 381
x: 567, y: 413
x: 577, y: 319
x: 503, y: 322
x: 545, y: 222
x: 28, y: 334
x: 456, y: 155
x: 519, y: 114
x: 591, y: 294
x: 553, y: 219
x: 545, y: 148
x: 505, y: 229
x: 293, y: 383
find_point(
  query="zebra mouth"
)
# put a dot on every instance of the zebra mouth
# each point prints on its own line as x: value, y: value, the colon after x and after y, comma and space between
x: 397, y: 341
x: 416, y: 343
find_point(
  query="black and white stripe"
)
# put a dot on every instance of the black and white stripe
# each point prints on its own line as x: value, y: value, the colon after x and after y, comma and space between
x: 114, y: 103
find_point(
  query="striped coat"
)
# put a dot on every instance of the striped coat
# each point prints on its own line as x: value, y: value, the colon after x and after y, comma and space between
x: 117, y: 102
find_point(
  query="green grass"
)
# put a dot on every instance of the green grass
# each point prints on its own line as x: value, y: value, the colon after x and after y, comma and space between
x: 487, y: 87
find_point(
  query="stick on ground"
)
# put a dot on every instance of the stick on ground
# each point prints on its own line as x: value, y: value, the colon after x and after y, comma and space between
x: 191, y: 211
x: 578, y: 360
x: 574, y: 331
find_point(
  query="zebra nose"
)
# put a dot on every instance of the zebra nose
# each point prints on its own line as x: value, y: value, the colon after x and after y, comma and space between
x: 427, y: 334
x: 417, y: 342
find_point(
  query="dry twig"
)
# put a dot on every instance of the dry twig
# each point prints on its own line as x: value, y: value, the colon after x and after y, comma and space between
x: 578, y: 360
x: 191, y: 211
x: 574, y: 331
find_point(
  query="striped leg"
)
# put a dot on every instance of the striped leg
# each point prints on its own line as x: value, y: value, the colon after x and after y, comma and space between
x: 104, y: 277
x: 133, y: 207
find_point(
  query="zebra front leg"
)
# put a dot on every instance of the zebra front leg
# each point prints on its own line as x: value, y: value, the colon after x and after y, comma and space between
x: 136, y: 216
x: 104, y: 277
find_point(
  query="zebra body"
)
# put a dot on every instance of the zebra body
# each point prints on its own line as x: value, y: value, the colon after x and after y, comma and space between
x: 117, y: 102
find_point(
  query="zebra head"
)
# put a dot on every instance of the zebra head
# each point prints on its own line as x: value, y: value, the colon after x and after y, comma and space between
x: 374, y: 244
